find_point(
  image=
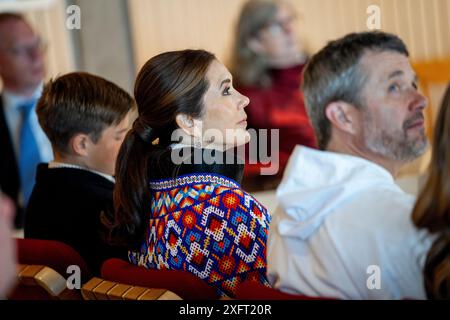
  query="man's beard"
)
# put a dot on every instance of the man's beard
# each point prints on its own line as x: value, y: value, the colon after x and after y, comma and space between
x: 395, y: 145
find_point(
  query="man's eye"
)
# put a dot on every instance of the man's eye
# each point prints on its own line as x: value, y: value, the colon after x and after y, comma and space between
x: 226, y: 91
x: 394, y: 87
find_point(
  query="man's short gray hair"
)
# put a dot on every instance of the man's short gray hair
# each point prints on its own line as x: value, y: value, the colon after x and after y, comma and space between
x: 334, y: 74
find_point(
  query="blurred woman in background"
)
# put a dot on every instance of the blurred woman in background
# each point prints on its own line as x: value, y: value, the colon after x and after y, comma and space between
x: 267, y: 63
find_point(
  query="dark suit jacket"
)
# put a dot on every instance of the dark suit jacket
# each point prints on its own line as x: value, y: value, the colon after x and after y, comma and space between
x: 66, y: 205
x: 9, y: 172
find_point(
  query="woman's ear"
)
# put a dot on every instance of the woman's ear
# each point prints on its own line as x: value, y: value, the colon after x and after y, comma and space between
x: 185, y: 123
x: 342, y: 116
x: 79, y: 144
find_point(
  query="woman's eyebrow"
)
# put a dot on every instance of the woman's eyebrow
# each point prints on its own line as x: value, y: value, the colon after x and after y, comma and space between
x: 225, y: 81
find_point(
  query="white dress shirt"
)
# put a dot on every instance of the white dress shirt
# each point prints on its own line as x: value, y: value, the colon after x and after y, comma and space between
x: 54, y: 165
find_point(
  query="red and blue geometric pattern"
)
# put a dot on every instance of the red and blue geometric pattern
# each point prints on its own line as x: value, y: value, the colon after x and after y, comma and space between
x: 207, y: 225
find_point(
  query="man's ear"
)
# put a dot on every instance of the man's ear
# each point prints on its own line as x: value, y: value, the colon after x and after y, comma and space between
x: 256, y: 46
x: 79, y: 144
x: 343, y: 116
x: 186, y: 123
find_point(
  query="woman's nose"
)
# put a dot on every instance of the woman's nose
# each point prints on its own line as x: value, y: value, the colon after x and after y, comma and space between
x: 244, y: 101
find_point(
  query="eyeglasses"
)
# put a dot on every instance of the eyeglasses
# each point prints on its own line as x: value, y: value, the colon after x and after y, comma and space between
x: 38, y: 46
x: 277, y: 27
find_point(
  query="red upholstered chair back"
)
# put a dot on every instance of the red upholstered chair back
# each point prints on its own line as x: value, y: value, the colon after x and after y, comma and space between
x: 42, y: 270
x: 182, y: 283
x: 251, y: 290
x: 54, y: 254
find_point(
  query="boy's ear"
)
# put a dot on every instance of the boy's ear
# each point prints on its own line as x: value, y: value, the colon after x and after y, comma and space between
x: 79, y: 144
x: 343, y: 116
x: 186, y: 123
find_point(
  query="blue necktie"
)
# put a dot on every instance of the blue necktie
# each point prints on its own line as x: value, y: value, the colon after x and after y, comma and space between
x: 29, y: 153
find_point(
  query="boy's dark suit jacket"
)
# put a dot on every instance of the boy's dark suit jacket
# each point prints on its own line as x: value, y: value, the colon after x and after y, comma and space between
x: 65, y: 205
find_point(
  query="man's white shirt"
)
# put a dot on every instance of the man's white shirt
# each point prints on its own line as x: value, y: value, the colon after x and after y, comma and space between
x: 340, y: 220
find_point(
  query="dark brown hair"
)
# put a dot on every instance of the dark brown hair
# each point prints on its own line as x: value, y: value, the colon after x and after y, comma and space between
x: 432, y: 209
x: 80, y: 103
x: 334, y: 74
x: 168, y: 84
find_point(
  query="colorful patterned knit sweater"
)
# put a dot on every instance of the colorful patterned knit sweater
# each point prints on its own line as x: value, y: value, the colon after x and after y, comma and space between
x: 205, y: 224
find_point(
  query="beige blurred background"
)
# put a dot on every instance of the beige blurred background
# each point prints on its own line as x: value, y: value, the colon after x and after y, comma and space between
x: 118, y: 36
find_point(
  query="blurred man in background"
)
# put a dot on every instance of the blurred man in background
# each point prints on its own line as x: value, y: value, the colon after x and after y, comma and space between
x: 23, y: 143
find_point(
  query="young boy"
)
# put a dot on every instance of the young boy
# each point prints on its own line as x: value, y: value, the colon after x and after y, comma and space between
x: 86, y: 119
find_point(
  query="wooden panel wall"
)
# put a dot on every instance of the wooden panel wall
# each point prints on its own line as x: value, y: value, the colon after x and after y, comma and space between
x: 161, y: 25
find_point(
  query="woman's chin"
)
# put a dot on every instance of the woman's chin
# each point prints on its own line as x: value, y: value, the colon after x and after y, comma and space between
x: 242, y: 139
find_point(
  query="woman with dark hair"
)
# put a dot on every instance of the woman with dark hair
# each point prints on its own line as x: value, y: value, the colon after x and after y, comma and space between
x: 267, y: 63
x: 178, y: 201
x: 432, y: 209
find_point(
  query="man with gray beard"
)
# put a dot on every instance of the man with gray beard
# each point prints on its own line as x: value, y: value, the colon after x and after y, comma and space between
x: 343, y: 227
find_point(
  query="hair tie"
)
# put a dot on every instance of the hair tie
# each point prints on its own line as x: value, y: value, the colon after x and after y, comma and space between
x: 143, y: 131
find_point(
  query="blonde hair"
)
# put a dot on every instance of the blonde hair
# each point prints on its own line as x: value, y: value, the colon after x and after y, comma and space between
x: 248, y: 67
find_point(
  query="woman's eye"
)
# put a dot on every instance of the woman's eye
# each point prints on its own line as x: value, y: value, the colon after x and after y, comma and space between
x: 226, y: 91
